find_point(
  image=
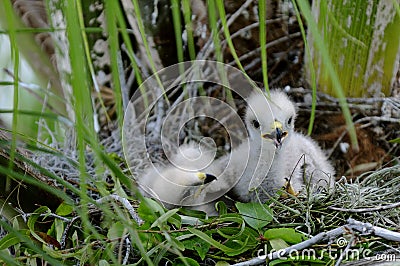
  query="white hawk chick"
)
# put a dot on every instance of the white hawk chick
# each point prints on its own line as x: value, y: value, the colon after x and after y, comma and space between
x: 179, y: 181
x: 298, y: 160
x: 273, y: 156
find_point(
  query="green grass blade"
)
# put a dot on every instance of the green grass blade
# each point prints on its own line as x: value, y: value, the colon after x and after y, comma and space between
x: 113, y: 42
x: 176, y: 18
x: 212, y: 20
x: 15, y: 57
x: 211, y: 241
x: 146, y: 44
x: 263, y: 41
x: 323, y: 49
x: 187, y: 16
x: 127, y: 42
x: 222, y: 15
x: 312, y: 80
x: 221, y: 9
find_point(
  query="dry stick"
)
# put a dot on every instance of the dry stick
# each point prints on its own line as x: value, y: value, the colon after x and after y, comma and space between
x: 305, y: 244
x: 30, y: 88
x: 238, y: 13
x: 364, y: 228
x: 134, y: 23
x: 361, y: 210
x: 357, y: 106
x: 160, y: 111
x: 349, y: 100
x: 339, y: 140
x: 369, y: 229
x: 124, y: 87
x: 270, y: 44
x: 208, y: 47
x: 128, y: 248
x: 63, y: 239
x: 377, y: 119
x: 346, y: 250
x: 125, y: 203
x: 253, y: 63
x: 252, y: 26
x: 278, y: 78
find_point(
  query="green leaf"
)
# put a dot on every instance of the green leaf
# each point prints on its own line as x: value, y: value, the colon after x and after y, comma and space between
x: 6, y: 258
x: 185, y: 261
x: 32, y: 221
x: 197, y: 244
x: 190, y: 220
x: 255, y: 214
x: 59, y: 227
x: 9, y: 240
x: 239, y: 237
x: 303, y: 260
x: 241, y: 240
x: 116, y: 230
x: 278, y: 243
x: 148, y: 210
x: 33, y: 218
x: 193, y: 213
x: 397, y: 140
x: 103, y: 263
x: 222, y: 263
x: 232, y: 232
x: 175, y: 220
x: 175, y: 242
x: 322, y: 48
x: 221, y: 208
x: 287, y: 234
x: 212, y: 242
x: 162, y: 220
x: 64, y: 209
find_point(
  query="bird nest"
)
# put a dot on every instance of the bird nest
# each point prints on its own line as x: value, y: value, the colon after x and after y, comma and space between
x: 372, y: 197
x: 369, y: 197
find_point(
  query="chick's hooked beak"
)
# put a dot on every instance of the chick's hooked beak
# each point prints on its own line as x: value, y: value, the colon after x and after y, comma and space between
x: 205, y: 178
x: 277, y: 135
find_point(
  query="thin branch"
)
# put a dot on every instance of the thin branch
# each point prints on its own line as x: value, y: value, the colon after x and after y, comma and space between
x: 369, y: 229
x: 32, y: 88
x: 352, y: 225
x: 346, y: 250
x: 269, y: 45
x: 125, y: 203
x: 252, y: 26
x: 237, y: 13
x: 128, y: 249
x: 377, y: 119
x: 124, y: 87
x: 361, y: 210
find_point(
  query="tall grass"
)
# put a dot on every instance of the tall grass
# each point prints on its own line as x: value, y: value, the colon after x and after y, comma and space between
x: 164, y: 235
x: 15, y: 57
x: 363, y: 43
x: 263, y: 42
x: 322, y: 48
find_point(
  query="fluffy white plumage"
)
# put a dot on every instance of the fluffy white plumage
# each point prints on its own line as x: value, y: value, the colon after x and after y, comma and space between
x: 272, y: 157
x: 181, y: 181
x: 298, y: 159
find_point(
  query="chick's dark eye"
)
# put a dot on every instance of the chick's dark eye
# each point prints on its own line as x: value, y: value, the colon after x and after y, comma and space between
x: 255, y: 124
x: 290, y: 120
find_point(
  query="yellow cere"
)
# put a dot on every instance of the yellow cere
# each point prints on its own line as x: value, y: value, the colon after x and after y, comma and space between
x: 277, y: 124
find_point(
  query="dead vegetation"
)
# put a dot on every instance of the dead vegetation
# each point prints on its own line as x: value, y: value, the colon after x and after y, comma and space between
x: 368, y: 179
